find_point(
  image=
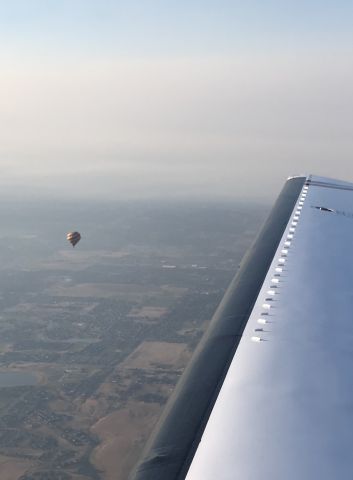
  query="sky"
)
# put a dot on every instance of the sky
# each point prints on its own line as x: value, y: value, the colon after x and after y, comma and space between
x: 119, y: 99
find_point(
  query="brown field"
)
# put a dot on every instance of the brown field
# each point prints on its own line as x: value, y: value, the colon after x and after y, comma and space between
x: 6, y: 347
x: 153, y: 313
x: 124, y: 432
x: 75, y: 253
x: 148, y: 354
x: 73, y: 258
x: 123, y: 435
x: 12, y: 468
x: 108, y: 290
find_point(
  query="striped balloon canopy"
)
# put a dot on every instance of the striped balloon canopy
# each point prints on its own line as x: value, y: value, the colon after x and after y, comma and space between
x: 73, y: 238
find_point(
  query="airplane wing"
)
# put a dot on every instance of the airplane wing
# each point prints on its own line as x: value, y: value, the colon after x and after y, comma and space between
x: 269, y: 391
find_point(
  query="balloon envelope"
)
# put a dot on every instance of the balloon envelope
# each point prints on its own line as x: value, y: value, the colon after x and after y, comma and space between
x: 73, y: 238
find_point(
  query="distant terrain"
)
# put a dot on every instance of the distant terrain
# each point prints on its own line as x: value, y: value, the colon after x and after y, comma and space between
x: 94, y: 338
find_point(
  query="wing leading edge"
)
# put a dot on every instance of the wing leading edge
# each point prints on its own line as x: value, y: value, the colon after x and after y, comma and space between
x: 172, y: 447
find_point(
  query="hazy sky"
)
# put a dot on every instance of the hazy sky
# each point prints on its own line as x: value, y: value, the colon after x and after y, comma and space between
x: 110, y: 98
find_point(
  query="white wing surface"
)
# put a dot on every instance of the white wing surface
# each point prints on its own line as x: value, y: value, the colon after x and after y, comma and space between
x: 285, y: 407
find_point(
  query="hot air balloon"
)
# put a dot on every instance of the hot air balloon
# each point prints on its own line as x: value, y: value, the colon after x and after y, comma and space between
x: 73, y: 238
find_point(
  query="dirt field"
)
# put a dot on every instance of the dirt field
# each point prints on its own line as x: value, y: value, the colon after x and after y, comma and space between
x: 153, y: 313
x: 12, y: 468
x: 123, y: 435
x: 149, y: 354
x: 107, y: 290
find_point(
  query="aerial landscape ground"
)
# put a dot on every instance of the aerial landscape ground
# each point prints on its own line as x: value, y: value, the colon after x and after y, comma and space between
x: 94, y: 338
